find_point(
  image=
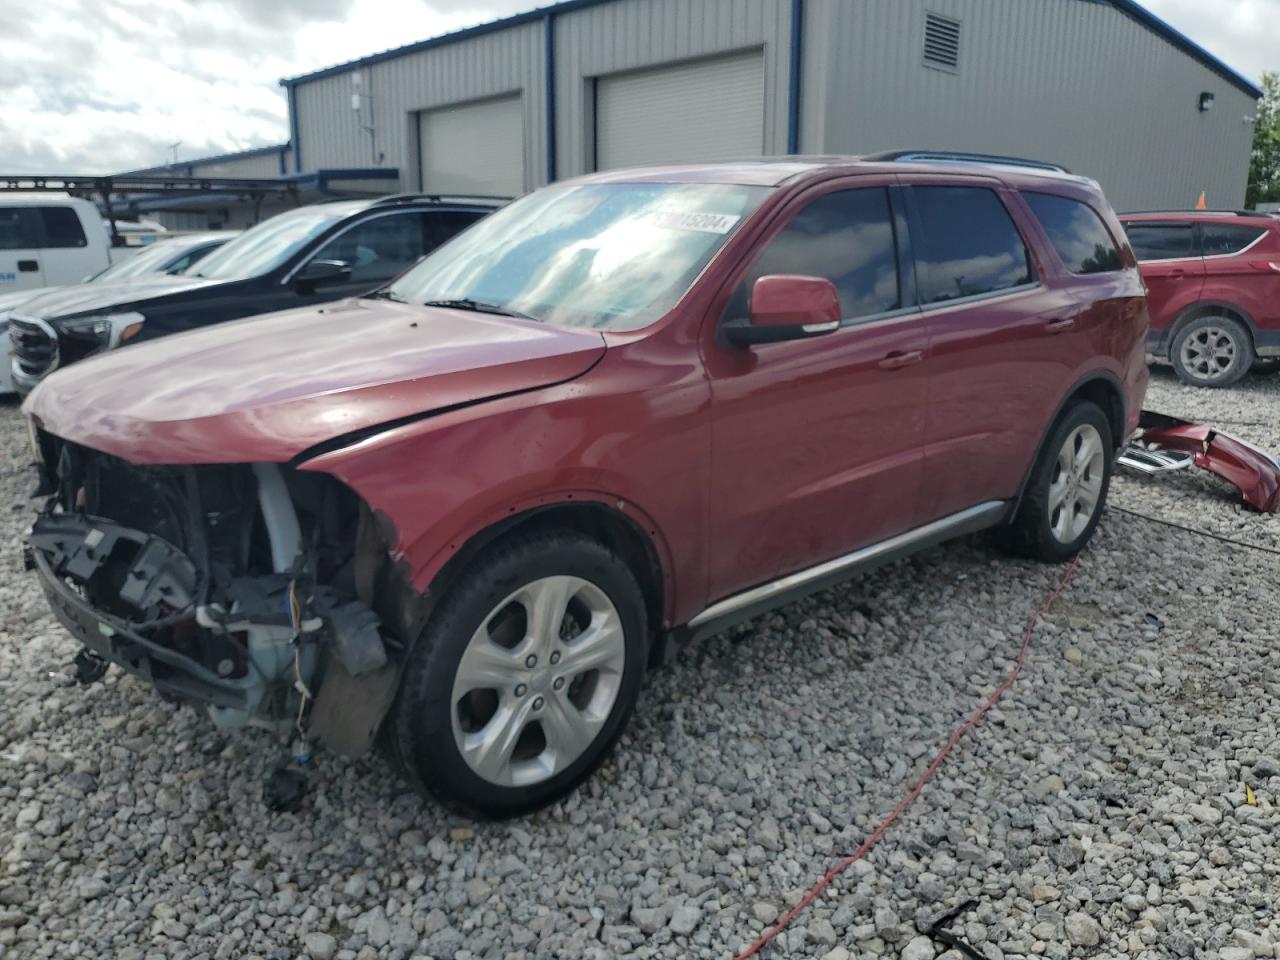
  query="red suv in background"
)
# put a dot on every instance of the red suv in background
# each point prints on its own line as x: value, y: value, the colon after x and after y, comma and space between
x: 1213, y: 286
x: 472, y: 507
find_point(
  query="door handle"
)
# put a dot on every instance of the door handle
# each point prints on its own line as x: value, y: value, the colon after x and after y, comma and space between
x: 28, y: 266
x: 899, y: 359
x: 1061, y: 326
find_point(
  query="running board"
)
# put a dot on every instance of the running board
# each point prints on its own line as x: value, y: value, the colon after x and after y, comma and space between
x: 749, y: 603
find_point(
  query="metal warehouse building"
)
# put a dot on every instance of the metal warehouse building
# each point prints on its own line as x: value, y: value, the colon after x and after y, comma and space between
x: 1101, y: 86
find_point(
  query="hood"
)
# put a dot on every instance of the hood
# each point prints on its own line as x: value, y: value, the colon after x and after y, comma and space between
x: 14, y: 301
x: 54, y: 302
x: 265, y: 389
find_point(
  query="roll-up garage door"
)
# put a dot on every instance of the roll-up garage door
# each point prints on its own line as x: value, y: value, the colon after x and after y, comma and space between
x: 704, y: 110
x: 473, y: 147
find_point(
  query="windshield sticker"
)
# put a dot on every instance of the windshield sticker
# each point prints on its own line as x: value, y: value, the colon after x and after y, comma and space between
x: 701, y: 222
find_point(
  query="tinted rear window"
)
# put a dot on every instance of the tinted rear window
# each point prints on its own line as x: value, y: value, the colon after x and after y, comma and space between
x: 62, y: 227
x: 16, y: 231
x: 1227, y: 238
x: 967, y: 246
x: 1161, y: 241
x: 1076, y: 232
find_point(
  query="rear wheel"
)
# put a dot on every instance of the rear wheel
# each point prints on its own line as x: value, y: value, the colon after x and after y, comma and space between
x: 1067, y: 490
x: 525, y: 677
x: 1212, y: 351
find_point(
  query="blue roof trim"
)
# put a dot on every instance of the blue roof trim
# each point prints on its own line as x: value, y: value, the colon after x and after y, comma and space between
x: 1129, y: 7
x: 479, y: 30
x: 1186, y: 45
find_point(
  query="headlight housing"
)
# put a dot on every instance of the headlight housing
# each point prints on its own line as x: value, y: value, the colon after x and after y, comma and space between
x: 109, y: 330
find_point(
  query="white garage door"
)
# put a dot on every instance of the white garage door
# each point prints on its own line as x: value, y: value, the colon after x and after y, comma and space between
x: 473, y: 148
x: 707, y: 110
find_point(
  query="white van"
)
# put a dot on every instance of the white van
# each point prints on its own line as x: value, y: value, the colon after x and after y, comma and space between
x: 48, y: 240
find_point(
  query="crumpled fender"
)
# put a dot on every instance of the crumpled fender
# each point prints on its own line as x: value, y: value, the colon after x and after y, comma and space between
x: 1253, y: 471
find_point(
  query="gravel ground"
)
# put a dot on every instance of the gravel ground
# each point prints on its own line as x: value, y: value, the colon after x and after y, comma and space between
x: 1099, y: 811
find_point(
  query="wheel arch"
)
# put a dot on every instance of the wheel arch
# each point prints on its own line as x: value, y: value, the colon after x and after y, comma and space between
x: 1211, y: 308
x: 622, y: 530
x: 1101, y: 387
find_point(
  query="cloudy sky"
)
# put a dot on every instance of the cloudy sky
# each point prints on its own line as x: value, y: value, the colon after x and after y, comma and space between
x: 95, y: 86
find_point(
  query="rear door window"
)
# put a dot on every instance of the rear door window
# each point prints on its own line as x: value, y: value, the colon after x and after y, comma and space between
x: 61, y: 228
x: 19, y: 229
x: 446, y: 225
x: 966, y: 245
x: 1224, y: 239
x: 1162, y: 241
x: 846, y: 237
x: 380, y: 247
x: 1076, y: 232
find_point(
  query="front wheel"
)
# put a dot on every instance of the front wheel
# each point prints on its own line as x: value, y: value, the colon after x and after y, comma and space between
x: 525, y: 676
x: 1067, y: 490
x: 1212, y: 351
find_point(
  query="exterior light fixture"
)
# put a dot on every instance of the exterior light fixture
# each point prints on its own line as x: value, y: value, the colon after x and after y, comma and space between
x: 1206, y: 101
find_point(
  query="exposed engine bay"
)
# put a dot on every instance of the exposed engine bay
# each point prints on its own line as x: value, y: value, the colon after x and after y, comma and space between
x: 264, y: 594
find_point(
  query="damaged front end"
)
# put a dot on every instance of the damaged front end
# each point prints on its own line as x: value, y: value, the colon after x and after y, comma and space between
x: 252, y: 590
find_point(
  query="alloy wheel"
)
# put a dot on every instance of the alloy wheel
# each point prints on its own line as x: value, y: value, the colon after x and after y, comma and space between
x: 1075, y: 485
x: 538, y: 681
x: 1209, y: 353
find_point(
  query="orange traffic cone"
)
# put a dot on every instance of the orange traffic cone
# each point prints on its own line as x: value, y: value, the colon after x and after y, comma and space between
x: 1200, y: 204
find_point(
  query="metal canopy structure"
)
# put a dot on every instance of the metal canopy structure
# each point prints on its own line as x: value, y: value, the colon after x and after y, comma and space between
x: 127, y: 195
x: 116, y: 195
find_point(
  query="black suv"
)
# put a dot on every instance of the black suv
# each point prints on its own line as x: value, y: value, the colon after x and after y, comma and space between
x: 296, y: 259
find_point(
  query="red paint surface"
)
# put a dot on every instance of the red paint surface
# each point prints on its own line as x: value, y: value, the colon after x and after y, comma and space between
x: 1248, y: 281
x: 1253, y: 471
x: 739, y: 464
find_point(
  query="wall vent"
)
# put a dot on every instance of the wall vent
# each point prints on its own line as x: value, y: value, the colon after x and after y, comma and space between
x: 941, y: 42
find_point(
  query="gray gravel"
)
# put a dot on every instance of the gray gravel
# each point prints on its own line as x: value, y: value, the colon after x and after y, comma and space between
x: 1100, y: 810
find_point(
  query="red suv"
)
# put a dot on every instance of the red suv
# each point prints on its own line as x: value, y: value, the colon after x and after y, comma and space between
x: 1213, y: 285
x: 463, y: 515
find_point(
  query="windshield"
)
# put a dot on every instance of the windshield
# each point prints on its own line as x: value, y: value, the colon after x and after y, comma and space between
x: 613, y: 256
x: 150, y: 259
x: 262, y: 248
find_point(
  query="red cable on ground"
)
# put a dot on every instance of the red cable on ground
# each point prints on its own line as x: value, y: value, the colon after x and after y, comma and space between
x: 916, y: 790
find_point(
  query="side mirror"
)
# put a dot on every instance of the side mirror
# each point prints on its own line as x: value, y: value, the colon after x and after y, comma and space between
x: 318, y: 272
x: 788, y: 307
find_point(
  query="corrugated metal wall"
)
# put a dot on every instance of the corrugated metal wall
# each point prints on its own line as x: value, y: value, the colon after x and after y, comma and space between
x: 1075, y: 82
x: 632, y: 34
x: 393, y: 91
x: 260, y: 165
x: 1066, y: 80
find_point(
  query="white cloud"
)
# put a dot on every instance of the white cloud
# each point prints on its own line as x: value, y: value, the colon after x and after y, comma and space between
x: 1243, y: 34
x: 97, y: 86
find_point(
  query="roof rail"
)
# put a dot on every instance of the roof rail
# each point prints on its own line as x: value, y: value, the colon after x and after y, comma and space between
x: 952, y: 156
x: 1194, y: 212
x: 440, y: 198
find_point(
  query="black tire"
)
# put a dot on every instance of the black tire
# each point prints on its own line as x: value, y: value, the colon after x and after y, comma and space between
x: 1265, y: 366
x: 1032, y: 531
x: 425, y: 711
x: 1211, y: 351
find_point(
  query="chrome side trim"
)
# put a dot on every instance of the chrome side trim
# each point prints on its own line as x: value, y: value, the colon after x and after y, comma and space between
x: 966, y: 521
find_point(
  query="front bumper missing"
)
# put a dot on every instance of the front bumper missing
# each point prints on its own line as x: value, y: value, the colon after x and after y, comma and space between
x: 170, y: 672
x: 1166, y: 443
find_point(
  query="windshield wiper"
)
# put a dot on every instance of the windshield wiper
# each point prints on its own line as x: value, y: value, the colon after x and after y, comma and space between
x: 479, y: 306
x: 386, y: 295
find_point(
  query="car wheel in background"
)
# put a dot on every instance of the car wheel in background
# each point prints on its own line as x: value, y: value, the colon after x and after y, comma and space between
x: 525, y: 675
x: 1067, y: 491
x: 1212, y: 351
